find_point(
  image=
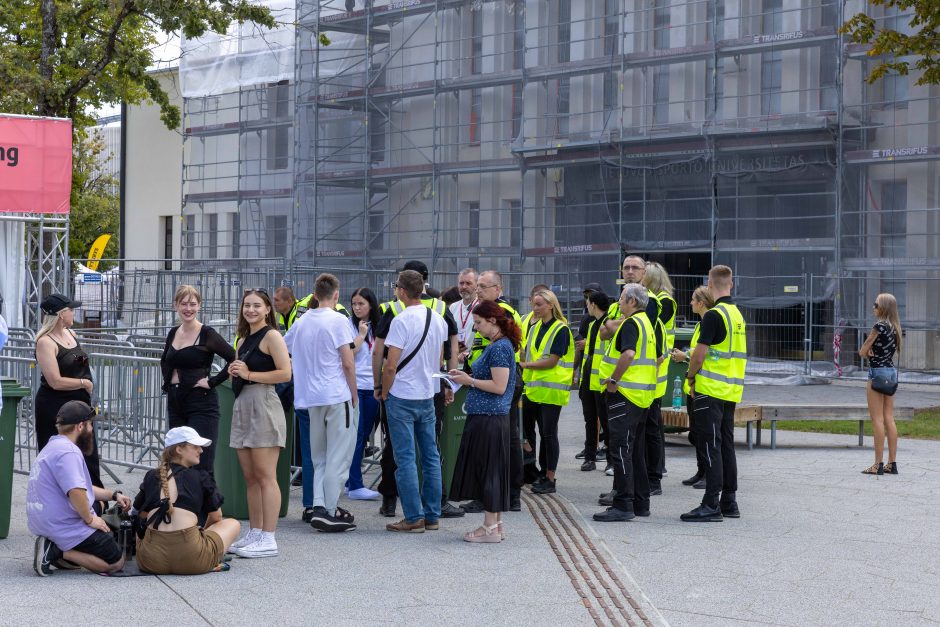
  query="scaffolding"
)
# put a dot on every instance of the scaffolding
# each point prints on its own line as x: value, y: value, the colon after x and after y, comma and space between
x: 548, y: 139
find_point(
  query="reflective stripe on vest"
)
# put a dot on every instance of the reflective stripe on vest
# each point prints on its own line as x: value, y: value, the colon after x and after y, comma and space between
x: 685, y: 383
x: 638, y: 383
x: 596, y: 347
x: 551, y: 386
x: 722, y: 372
x: 663, y: 368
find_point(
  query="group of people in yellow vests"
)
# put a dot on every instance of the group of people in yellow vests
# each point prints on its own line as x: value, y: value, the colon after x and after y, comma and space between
x: 619, y: 365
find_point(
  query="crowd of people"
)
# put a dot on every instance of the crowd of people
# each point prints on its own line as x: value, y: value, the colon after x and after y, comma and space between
x: 340, y: 374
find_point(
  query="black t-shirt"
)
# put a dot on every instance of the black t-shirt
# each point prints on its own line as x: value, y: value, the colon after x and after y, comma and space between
x: 712, y: 329
x: 559, y: 344
x: 194, y: 362
x: 652, y: 308
x: 669, y: 309
x: 882, y: 351
x: 196, y: 492
x: 583, y: 326
x: 628, y: 335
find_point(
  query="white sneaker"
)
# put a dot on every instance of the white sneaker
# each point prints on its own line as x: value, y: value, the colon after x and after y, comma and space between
x: 363, y: 494
x: 263, y: 547
x: 249, y: 538
x: 610, y: 471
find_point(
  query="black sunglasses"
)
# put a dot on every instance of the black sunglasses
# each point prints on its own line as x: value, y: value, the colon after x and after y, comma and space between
x: 259, y: 290
x: 875, y: 305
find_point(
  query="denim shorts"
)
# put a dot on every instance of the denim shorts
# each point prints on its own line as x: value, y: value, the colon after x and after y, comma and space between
x: 891, y: 374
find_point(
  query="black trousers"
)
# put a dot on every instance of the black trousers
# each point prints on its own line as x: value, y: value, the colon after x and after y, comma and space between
x: 594, y: 409
x: 515, y: 444
x: 530, y: 419
x: 626, y: 424
x: 197, y: 408
x: 714, y: 437
x: 46, y: 407
x: 655, y: 444
x: 387, y: 485
x: 549, y: 447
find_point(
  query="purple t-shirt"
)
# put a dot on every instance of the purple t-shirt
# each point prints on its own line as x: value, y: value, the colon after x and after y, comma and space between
x: 59, y: 468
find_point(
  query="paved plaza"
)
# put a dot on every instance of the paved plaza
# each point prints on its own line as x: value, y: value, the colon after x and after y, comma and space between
x: 818, y: 543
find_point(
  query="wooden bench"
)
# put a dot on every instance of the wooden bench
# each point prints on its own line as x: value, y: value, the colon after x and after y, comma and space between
x: 750, y: 414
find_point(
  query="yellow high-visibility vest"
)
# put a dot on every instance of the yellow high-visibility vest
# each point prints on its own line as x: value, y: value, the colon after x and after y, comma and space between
x: 551, y: 386
x: 722, y: 372
x: 638, y: 383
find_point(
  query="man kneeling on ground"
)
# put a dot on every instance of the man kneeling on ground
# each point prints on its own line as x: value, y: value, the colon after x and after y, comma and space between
x: 59, y: 499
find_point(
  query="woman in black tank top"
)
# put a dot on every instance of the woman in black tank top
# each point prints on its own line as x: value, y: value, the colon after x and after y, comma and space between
x: 65, y: 374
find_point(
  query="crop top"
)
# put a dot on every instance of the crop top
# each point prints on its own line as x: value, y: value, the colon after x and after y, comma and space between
x: 193, y: 362
x: 196, y: 492
x: 249, y: 351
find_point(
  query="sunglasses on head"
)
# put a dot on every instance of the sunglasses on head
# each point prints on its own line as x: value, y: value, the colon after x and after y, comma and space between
x: 256, y: 290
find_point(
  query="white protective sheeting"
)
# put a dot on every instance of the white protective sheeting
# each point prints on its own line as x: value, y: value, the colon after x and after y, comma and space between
x: 247, y: 55
x: 13, y: 278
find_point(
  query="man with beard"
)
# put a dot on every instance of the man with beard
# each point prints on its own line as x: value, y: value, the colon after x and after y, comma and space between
x: 59, y: 499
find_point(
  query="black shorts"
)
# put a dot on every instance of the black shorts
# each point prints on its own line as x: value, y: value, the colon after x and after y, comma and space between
x: 102, y: 545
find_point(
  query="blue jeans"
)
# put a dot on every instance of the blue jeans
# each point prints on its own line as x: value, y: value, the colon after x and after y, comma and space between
x: 411, y: 422
x: 306, y: 458
x: 368, y: 410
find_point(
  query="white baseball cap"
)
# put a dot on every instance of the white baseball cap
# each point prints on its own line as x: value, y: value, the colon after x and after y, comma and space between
x: 179, y: 435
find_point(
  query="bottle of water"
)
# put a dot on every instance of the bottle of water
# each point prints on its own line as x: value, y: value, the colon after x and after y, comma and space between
x: 677, y: 393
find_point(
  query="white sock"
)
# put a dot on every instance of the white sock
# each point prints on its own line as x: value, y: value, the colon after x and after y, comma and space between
x: 267, y: 535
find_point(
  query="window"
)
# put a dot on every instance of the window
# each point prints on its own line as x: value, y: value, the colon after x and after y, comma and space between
x: 476, y: 67
x: 563, y: 85
x: 275, y: 236
x: 276, y: 137
x: 236, y: 235
x: 611, y: 48
x: 473, y: 225
x: 715, y: 19
x: 660, y: 73
x: 771, y: 78
x: 894, y: 219
x: 167, y: 241
x: 189, y: 236
x: 213, y: 231
x: 515, y: 223
x: 518, y: 62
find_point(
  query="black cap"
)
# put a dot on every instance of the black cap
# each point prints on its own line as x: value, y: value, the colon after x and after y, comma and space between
x: 75, y: 412
x: 54, y: 303
x: 592, y: 287
x: 417, y: 266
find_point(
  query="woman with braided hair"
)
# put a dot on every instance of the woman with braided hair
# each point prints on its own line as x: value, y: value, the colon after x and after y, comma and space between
x: 180, y: 512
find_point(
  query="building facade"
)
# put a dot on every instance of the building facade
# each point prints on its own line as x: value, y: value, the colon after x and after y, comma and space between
x: 547, y: 139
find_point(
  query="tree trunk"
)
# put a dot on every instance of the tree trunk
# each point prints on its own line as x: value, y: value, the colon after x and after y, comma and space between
x: 50, y: 35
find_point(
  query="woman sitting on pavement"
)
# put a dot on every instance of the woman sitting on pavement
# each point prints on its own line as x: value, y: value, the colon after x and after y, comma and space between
x: 179, y: 505
x: 481, y: 472
x: 701, y: 302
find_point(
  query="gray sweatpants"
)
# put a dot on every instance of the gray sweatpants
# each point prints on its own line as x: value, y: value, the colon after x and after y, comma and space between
x: 333, y: 430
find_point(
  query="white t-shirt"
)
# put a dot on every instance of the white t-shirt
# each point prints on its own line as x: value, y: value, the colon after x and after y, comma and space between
x: 414, y: 382
x: 364, y: 359
x: 463, y: 316
x: 314, y: 341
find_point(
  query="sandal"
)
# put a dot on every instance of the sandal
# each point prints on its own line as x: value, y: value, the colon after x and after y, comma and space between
x: 221, y: 567
x: 344, y: 516
x: 874, y: 469
x: 489, y: 535
x: 891, y: 468
x: 502, y: 532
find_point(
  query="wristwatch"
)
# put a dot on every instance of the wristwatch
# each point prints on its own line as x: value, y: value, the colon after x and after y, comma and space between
x: 114, y: 494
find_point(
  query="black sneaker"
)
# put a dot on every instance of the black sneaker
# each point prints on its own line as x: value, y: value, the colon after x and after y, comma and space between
x: 602, y: 454
x: 693, y: 479
x: 588, y: 465
x: 703, y: 513
x: 546, y: 487
x: 449, y: 511
x: 606, y: 499
x: 45, y: 552
x: 612, y: 514
x: 307, y: 516
x: 472, y: 507
x: 515, y: 502
x: 389, y: 503
x: 656, y: 490
x: 331, y: 523
x: 730, y: 509
x: 700, y: 484
x: 581, y: 454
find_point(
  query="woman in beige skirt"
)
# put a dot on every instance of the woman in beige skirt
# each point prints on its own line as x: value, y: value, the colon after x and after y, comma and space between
x: 259, y: 427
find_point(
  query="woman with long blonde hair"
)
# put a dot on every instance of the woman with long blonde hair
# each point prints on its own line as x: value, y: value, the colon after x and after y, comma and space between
x: 879, y: 348
x: 547, y: 370
x: 64, y: 373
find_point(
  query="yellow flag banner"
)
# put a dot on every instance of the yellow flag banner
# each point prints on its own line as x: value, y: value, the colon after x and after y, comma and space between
x: 97, y: 250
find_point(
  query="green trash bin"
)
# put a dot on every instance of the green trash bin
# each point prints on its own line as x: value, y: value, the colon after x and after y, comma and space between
x: 12, y: 393
x: 228, y: 471
x: 455, y: 418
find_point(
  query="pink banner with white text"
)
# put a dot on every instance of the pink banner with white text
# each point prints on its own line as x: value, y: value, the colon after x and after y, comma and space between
x: 35, y: 164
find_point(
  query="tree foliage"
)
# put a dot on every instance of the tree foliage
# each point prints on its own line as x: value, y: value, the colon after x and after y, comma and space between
x: 66, y: 58
x: 896, y: 49
x: 95, y: 201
